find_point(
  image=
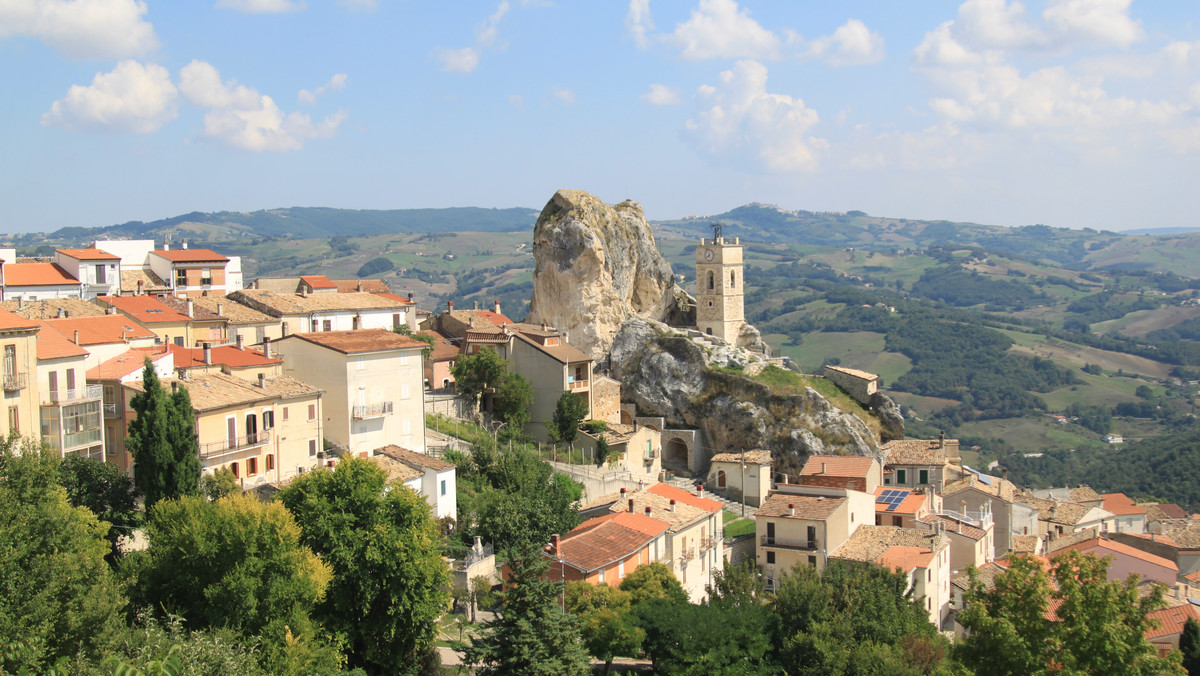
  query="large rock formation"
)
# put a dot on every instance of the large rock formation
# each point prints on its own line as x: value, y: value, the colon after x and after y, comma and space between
x: 670, y: 374
x: 596, y: 266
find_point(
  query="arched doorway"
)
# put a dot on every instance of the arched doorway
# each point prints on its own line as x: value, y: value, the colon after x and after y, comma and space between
x: 676, y: 453
x: 721, y: 478
x: 626, y: 419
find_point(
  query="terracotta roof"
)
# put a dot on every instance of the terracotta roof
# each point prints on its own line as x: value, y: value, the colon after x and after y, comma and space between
x: 1162, y: 511
x: 598, y: 543
x: 48, y: 308
x: 563, y: 352
x: 150, y: 281
x: 687, y: 498
x: 101, y: 330
x: 392, y: 296
x: 199, y: 312
x: 37, y: 274
x: 52, y: 344
x: 191, y: 256
x: 145, y: 309
x: 1185, y: 534
x: 752, y: 457
x: 853, y: 372
x: 1121, y: 504
x: 224, y: 355
x: 837, y: 466
x: 1000, y: 488
x: 318, y: 281
x: 807, y: 507
x: 1084, y: 494
x: 279, y: 304
x: 414, y: 459
x: 1155, y: 537
x: 905, y: 558
x: 213, y: 391
x: 639, y: 522
x: 368, y: 285
x: 443, y: 349
x: 911, y: 504
x: 658, y: 498
x: 869, y: 543
x: 1068, y: 540
x: 1025, y: 544
x: 124, y: 364
x: 1170, y: 621
x: 13, y: 322
x: 1102, y: 547
x: 232, y: 311
x: 957, y: 526
x: 915, y: 452
x: 354, y: 342
x: 89, y: 255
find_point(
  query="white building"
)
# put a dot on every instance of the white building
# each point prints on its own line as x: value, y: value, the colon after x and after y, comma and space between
x: 431, y: 477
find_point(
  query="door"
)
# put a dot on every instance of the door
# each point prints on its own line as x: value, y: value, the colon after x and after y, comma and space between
x: 70, y: 383
x: 812, y: 537
x: 770, y: 532
x: 231, y: 431
x: 251, y: 429
x: 54, y: 386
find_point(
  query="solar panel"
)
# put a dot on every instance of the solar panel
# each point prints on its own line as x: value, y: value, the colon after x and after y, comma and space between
x: 892, y: 498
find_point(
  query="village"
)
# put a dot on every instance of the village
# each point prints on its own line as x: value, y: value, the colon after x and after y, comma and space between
x: 294, y: 375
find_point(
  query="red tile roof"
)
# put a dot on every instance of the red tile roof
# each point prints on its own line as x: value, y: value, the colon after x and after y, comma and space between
x: 1170, y: 621
x: 1121, y: 504
x: 226, y: 355
x: 191, y: 256
x: 1102, y: 547
x: 443, y: 349
x: 911, y: 504
x: 600, y: 542
x: 838, y: 466
x: 363, y: 340
x: 10, y: 321
x: 125, y: 363
x: 393, y: 296
x: 37, y: 274
x: 905, y: 558
x: 101, y: 330
x: 51, y: 344
x: 89, y: 255
x: 364, y: 285
x: 680, y: 495
x: 318, y: 281
x: 145, y: 309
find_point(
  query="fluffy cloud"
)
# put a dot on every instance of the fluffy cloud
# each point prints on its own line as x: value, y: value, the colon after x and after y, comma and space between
x: 242, y: 118
x: 1104, y: 22
x: 639, y: 23
x: 487, y: 34
x: 462, y: 60
x: 564, y: 95
x: 719, y: 29
x: 261, y: 6
x: 82, y: 29
x: 741, y: 118
x: 336, y: 82
x: 661, y: 95
x: 132, y: 98
x: 1000, y: 24
x: 852, y: 44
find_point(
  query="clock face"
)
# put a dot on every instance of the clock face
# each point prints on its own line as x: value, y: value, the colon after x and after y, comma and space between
x: 708, y: 254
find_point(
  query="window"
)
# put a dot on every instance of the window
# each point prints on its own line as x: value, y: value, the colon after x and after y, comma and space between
x: 10, y: 360
x: 328, y: 325
x: 620, y: 569
x: 251, y: 466
x: 268, y: 418
x: 923, y: 476
x: 732, y: 279
x: 928, y: 574
x: 404, y: 392
x: 710, y: 280
x: 179, y: 341
x: 14, y: 419
x: 395, y: 321
x: 443, y: 486
x: 285, y: 413
x: 312, y: 412
x: 206, y: 276
x: 180, y: 277
x: 898, y: 521
x: 601, y: 575
x: 902, y: 476
x: 312, y: 448
x: 770, y: 557
x: 877, y: 520
x: 270, y: 462
x: 406, y: 427
x: 100, y: 274
x: 233, y: 467
x: 52, y: 378
x: 812, y: 561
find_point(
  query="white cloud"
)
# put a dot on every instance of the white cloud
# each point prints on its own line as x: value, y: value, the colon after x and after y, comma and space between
x: 940, y: 48
x: 1104, y: 22
x: 852, y: 44
x: 741, y: 118
x: 462, y: 60
x: 996, y: 24
x: 564, y: 95
x: 82, y: 29
x: 336, y: 82
x: 487, y: 34
x: 719, y: 29
x: 261, y: 6
x: 132, y: 98
x: 639, y: 23
x: 243, y: 118
x: 360, y: 5
x: 661, y: 95
x: 1066, y: 24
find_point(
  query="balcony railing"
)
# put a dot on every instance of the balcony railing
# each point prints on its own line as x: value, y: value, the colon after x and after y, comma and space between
x: 788, y: 543
x: 82, y: 438
x: 14, y: 381
x: 110, y: 411
x: 76, y: 394
x: 687, y: 555
x: 219, y: 448
x: 573, y: 384
x: 707, y: 543
x: 378, y: 410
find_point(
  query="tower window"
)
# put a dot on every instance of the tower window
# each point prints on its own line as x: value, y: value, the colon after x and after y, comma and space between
x: 732, y: 279
x: 710, y: 280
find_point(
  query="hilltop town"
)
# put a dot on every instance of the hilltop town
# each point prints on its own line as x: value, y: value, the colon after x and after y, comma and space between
x: 666, y: 437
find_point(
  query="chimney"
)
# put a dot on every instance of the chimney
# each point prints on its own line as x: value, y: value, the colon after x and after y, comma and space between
x: 791, y: 509
x: 262, y: 381
x: 220, y: 309
x: 110, y: 310
x: 166, y: 246
x: 20, y: 302
x: 471, y: 321
x: 410, y: 297
x: 185, y: 245
x: 622, y: 493
x: 61, y: 313
x: 478, y: 546
x: 360, y: 286
x: 191, y: 309
x: 208, y: 354
x: 141, y: 284
x: 241, y: 342
x: 474, y: 305
x: 941, y: 438
x: 284, y: 327
x: 631, y: 505
x: 700, y: 490
x: 647, y: 510
x: 497, y: 305
x: 1003, y: 472
x: 824, y: 468
x: 554, y: 542
x: 267, y: 346
x: 672, y: 504
x: 450, y: 305
x: 76, y: 340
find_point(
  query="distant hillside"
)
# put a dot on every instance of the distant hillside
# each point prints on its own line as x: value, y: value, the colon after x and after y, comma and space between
x: 309, y: 222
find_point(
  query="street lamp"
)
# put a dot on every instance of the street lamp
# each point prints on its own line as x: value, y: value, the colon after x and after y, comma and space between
x: 496, y: 432
x: 743, y: 482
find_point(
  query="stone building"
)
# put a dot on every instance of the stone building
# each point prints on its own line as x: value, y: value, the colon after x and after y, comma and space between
x: 720, y: 303
x: 858, y: 384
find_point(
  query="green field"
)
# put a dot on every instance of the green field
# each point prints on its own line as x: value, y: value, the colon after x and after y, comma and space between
x: 859, y: 349
x: 1033, y: 433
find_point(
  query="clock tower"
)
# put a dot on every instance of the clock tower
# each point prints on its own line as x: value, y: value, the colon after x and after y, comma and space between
x: 720, y: 305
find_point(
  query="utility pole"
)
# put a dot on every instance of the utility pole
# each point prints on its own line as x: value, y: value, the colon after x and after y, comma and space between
x: 743, y: 482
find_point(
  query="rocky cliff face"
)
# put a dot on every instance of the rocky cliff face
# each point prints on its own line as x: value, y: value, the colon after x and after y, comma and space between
x: 669, y: 374
x: 596, y: 266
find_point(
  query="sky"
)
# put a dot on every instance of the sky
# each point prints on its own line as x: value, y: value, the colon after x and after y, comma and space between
x: 1071, y: 113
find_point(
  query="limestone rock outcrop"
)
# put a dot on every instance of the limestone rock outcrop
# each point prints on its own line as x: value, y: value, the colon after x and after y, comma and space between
x: 669, y: 374
x: 891, y: 418
x: 595, y: 266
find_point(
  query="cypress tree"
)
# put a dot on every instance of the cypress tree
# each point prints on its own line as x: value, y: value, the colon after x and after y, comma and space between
x: 166, y: 458
x: 1189, y: 645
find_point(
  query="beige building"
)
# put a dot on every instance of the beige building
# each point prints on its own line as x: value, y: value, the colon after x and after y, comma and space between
x: 21, y: 396
x: 240, y: 321
x: 746, y: 473
x: 192, y: 272
x: 372, y: 381
x: 326, y: 312
x: 858, y: 384
x: 805, y: 524
x: 720, y: 303
x: 112, y: 376
x: 691, y: 547
x: 979, y: 493
x: 921, y: 463
x: 637, y: 448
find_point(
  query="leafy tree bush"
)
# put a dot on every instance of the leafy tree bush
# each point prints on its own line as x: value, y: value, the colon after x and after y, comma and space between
x: 162, y: 440
x: 219, y: 484
x: 514, y: 396
x: 653, y: 581
x: 570, y: 410
x: 375, y: 266
x: 1189, y: 647
x: 608, y: 627
x: 105, y: 490
x: 475, y: 373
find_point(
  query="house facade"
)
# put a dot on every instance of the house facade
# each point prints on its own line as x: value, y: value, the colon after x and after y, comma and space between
x: 324, y: 312
x: 433, y: 478
x: 70, y: 416
x: 607, y: 548
x: 193, y: 272
x: 805, y: 524
x: 20, y: 382
x: 741, y: 475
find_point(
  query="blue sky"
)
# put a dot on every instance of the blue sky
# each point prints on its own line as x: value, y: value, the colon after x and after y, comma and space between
x: 1076, y: 113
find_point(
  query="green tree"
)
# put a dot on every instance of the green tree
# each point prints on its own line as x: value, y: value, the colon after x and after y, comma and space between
x: 740, y: 585
x: 103, y: 489
x: 531, y: 634
x: 1098, y: 626
x: 389, y: 581
x: 1189, y: 647
x: 162, y: 440
x: 716, y: 637
x: 59, y: 596
x: 570, y: 410
x: 514, y: 396
x: 219, y: 484
x: 476, y: 373
x: 653, y: 581
x: 608, y: 627
x: 237, y: 563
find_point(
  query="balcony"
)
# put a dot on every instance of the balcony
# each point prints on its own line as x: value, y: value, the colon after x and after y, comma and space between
x: 219, y: 448
x: 14, y: 381
x: 687, y: 555
x: 707, y: 543
x: 110, y: 411
x: 788, y: 543
x: 82, y: 438
x: 573, y: 384
x: 76, y: 394
x: 368, y: 411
